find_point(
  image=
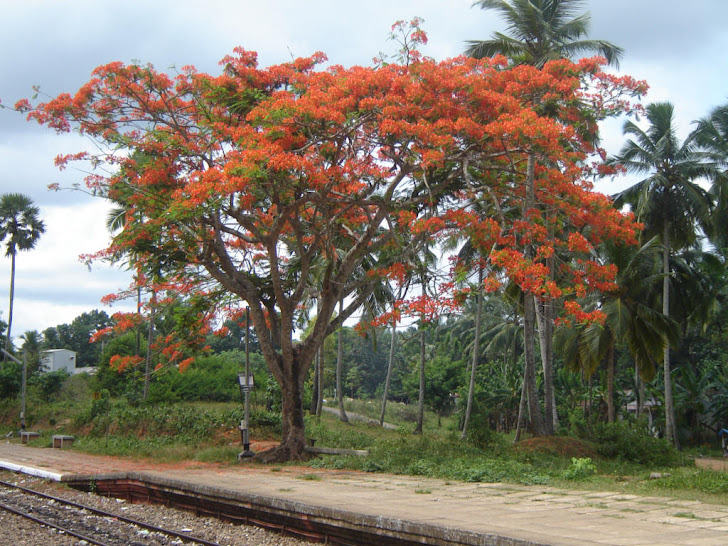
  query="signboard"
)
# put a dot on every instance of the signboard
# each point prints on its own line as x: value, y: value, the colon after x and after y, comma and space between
x: 246, y: 385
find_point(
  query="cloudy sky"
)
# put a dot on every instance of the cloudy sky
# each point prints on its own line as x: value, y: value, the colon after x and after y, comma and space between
x: 678, y: 47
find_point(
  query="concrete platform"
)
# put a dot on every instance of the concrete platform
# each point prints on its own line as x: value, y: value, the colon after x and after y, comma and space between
x: 436, y: 511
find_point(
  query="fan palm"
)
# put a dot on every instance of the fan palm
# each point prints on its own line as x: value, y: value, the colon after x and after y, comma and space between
x: 20, y: 229
x: 669, y: 201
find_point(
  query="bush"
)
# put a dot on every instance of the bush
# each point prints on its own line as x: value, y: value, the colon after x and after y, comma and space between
x: 626, y: 441
x: 48, y: 384
x: 484, y: 437
x: 580, y: 468
x: 10, y: 379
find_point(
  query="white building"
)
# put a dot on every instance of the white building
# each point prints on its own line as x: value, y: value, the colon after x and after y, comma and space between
x: 58, y: 359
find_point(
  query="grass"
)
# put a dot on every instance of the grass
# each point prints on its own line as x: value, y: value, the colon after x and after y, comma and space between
x: 207, y: 432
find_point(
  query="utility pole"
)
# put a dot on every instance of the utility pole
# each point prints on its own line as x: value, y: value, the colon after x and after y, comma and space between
x: 246, y: 383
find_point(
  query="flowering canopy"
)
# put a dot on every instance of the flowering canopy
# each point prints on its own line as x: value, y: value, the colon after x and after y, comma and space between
x: 280, y: 186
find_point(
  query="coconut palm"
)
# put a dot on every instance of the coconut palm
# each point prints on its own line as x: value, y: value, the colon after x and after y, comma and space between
x: 631, y: 319
x: 539, y: 31
x: 711, y: 134
x: 669, y: 201
x: 20, y: 229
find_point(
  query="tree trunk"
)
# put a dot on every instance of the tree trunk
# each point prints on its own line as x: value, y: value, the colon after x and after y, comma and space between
x: 10, y: 309
x: 421, y: 401
x: 670, y: 429
x: 529, y: 344
x: 390, y: 365
x: 611, y: 413
x: 150, y: 339
x: 476, y: 350
x: 529, y: 319
x: 521, y: 412
x: 321, y: 361
x: 640, y: 396
x: 315, y: 385
x: 339, y: 370
x: 544, y: 316
x: 293, y: 437
x: 139, y: 316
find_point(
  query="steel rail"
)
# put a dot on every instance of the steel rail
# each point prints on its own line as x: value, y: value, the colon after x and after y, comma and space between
x: 47, y: 523
x: 183, y: 536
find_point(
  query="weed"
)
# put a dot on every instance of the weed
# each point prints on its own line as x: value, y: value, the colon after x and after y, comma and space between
x: 688, y: 515
x: 580, y: 469
x: 423, y: 491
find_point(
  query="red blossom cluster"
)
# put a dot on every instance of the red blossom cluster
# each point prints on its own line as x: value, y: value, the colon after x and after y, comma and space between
x: 281, y: 185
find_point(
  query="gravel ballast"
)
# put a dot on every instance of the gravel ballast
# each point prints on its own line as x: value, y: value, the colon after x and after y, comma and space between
x: 22, y: 532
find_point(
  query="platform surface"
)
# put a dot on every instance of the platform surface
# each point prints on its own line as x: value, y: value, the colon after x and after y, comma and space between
x: 531, y: 514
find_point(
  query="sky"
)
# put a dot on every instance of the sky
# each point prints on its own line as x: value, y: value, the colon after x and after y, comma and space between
x: 678, y: 47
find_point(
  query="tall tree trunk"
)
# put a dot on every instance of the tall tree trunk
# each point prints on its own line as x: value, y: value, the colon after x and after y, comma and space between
x: 139, y: 316
x: 315, y: 386
x: 640, y: 395
x: 529, y: 344
x: 150, y: 339
x: 544, y: 317
x: 670, y: 429
x: 611, y: 413
x: 339, y: 369
x: 529, y: 319
x: 421, y: 400
x: 476, y: 351
x: 321, y: 361
x: 390, y: 365
x: 10, y: 309
x: 521, y: 411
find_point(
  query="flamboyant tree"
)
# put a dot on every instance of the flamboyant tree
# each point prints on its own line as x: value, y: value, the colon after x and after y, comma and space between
x: 539, y: 31
x: 270, y: 187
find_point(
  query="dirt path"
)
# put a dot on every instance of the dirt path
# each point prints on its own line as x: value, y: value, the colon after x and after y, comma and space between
x: 358, y: 417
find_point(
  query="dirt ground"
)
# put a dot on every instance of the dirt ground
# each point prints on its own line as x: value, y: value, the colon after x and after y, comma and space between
x: 712, y: 463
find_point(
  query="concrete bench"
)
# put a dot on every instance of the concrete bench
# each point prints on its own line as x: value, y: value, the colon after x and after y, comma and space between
x: 60, y: 441
x: 26, y: 436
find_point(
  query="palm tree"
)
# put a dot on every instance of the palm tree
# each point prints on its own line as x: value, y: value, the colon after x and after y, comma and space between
x: 668, y: 201
x: 20, y: 228
x: 540, y: 31
x: 631, y: 318
x: 711, y: 134
x: 31, y: 348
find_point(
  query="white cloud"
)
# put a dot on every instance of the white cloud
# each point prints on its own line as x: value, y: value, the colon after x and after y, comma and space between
x: 52, y: 285
x: 677, y: 47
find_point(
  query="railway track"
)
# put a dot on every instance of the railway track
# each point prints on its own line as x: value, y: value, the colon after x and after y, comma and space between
x: 87, y: 523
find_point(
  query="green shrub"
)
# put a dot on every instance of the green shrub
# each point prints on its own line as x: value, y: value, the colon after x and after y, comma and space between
x: 48, y: 384
x: 580, y: 469
x: 629, y: 442
x: 10, y: 379
x: 484, y: 437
